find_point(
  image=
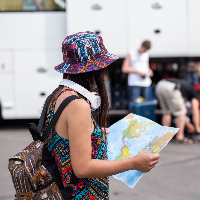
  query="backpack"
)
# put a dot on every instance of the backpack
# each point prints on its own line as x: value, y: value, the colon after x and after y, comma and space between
x: 33, y: 170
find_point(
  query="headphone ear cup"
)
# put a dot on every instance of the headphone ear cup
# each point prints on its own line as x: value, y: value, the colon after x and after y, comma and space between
x: 92, y: 97
x: 96, y: 102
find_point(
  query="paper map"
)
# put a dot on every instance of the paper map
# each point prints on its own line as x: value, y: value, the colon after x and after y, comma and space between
x: 133, y: 135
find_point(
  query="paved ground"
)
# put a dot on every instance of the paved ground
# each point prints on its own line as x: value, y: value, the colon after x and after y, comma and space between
x: 176, y: 177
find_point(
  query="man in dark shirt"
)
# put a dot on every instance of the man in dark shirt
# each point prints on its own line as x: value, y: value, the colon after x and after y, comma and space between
x: 172, y: 94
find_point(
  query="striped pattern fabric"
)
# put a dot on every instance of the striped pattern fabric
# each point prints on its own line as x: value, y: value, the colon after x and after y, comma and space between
x: 86, y: 188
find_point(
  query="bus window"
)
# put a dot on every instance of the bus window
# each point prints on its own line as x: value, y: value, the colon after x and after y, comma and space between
x: 32, y: 5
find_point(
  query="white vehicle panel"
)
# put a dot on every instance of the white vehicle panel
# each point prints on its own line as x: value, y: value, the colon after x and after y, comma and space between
x: 105, y: 16
x: 7, y: 99
x: 33, y: 82
x: 193, y: 28
x: 167, y: 18
x: 30, y: 49
x: 30, y: 30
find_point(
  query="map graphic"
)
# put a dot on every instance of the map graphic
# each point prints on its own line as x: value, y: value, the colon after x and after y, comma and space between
x: 133, y: 135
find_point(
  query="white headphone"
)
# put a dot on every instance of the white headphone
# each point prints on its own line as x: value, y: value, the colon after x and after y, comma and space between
x: 92, y: 97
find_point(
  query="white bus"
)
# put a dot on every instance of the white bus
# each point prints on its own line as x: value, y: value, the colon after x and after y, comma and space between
x: 31, y: 33
x: 30, y: 46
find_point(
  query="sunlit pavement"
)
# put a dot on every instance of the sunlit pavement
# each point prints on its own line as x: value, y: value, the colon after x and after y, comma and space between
x: 176, y: 177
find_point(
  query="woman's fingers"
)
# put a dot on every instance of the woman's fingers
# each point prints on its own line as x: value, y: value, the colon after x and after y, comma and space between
x: 154, y: 162
x: 155, y: 157
x: 152, y: 166
x: 106, y: 130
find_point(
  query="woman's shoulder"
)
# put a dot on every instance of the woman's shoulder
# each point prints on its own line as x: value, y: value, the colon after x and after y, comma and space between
x: 76, y: 110
x: 77, y: 104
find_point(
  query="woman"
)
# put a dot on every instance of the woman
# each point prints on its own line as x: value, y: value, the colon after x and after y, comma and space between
x: 77, y: 142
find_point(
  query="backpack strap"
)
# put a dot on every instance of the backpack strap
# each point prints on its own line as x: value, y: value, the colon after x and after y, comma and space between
x: 36, y: 130
x: 47, y: 160
x: 57, y: 115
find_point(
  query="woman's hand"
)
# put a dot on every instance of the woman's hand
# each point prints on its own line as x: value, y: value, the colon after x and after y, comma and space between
x: 106, y: 130
x: 144, y: 162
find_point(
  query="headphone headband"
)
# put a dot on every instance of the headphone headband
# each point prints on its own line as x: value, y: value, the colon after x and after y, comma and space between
x: 94, y: 100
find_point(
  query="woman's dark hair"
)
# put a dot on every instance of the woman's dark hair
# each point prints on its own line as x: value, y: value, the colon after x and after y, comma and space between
x: 92, y: 81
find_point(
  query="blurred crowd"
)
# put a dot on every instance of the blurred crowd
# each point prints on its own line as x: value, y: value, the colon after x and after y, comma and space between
x: 177, y: 97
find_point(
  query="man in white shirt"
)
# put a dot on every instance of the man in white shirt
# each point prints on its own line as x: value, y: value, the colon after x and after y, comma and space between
x: 136, y: 64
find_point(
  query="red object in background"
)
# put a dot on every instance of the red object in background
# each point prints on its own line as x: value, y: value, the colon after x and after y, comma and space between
x: 166, y: 76
x: 197, y: 87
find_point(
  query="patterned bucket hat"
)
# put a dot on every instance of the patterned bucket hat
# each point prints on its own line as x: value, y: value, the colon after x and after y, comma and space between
x: 84, y: 52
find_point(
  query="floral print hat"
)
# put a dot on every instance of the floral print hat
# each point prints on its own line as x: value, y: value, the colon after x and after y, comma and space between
x: 84, y: 52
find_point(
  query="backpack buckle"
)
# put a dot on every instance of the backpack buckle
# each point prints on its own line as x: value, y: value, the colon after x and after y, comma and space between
x: 43, y: 196
x: 17, y: 162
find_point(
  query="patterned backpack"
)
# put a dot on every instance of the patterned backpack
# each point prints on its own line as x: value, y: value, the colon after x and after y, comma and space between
x: 33, y: 170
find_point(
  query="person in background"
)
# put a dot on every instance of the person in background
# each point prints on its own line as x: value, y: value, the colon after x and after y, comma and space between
x: 192, y: 73
x: 172, y: 95
x: 33, y: 5
x: 136, y: 65
x: 78, y: 142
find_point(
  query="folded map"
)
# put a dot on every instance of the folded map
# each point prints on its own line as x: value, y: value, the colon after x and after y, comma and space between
x: 133, y: 135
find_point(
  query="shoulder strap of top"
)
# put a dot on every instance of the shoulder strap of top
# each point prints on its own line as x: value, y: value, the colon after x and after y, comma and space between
x: 44, y: 110
x: 64, y: 90
x: 48, y: 161
x: 57, y: 115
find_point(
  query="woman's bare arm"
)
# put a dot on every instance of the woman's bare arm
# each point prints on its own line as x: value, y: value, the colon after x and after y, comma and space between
x: 79, y: 132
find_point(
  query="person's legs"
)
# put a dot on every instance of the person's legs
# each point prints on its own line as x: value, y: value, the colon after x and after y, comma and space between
x: 134, y: 92
x: 161, y: 93
x: 178, y: 109
x: 173, y: 100
x: 145, y: 93
x: 166, y: 119
x: 180, y: 123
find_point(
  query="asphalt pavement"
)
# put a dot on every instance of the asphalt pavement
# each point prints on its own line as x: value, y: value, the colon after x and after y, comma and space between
x: 175, y: 177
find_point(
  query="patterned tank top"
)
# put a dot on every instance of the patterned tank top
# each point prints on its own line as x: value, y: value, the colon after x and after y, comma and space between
x: 86, y: 188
